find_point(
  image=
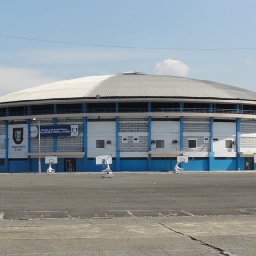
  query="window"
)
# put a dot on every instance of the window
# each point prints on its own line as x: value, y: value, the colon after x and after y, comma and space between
x: 100, y: 144
x: 192, y: 143
x: 136, y: 140
x: 2, y: 161
x: 159, y: 143
x: 228, y: 143
x: 124, y: 139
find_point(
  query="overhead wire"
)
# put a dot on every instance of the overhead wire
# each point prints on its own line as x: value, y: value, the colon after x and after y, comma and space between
x: 124, y: 46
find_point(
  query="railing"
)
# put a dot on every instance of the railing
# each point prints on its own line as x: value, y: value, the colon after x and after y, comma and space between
x: 68, y: 111
x: 130, y: 110
x: 101, y: 110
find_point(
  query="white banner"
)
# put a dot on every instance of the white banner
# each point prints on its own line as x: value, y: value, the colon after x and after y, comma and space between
x: 2, y: 146
x: 18, y: 141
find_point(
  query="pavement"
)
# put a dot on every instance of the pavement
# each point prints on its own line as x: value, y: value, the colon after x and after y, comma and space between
x: 130, y: 214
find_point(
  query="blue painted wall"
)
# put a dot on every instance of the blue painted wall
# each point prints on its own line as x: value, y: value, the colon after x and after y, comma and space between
x: 18, y: 165
x: 2, y: 168
x: 44, y: 167
x: 196, y: 165
x: 241, y: 164
x: 60, y: 166
x: 220, y: 164
x: 163, y: 164
x: 92, y: 167
x: 134, y: 165
x: 202, y: 164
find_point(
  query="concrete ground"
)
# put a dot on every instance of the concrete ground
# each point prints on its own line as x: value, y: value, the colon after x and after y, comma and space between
x: 130, y: 214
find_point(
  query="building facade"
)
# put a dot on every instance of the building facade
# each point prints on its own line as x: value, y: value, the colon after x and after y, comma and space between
x: 143, y: 121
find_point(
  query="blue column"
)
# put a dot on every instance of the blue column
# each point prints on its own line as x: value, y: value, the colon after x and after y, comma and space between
x: 29, y: 143
x: 181, y: 107
x: 6, y: 147
x: 85, y: 141
x: 149, y: 142
x: 211, y: 153
x: 214, y: 107
x: 181, y: 133
x: 54, y: 109
x: 237, y: 108
x: 241, y: 108
x: 55, y: 139
x: 149, y: 107
x: 29, y: 110
x: 117, y: 145
x: 238, y: 158
x: 84, y: 108
x: 210, y: 107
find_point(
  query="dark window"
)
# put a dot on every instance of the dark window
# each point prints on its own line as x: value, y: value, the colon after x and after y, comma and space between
x: 159, y: 143
x: 192, y: 143
x: 41, y: 109
x: 228, y: 144
x: 100, y: 144
x: 69, y: 108
x: 2, y: 161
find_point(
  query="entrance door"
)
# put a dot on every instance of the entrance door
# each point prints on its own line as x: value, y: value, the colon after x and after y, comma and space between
x: 249, y: 163
x: 69, y: 165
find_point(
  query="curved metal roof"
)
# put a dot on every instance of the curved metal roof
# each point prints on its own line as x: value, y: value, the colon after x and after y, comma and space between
x: 130, y: 85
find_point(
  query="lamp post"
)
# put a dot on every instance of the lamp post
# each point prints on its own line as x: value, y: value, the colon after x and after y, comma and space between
x: 39, y: 145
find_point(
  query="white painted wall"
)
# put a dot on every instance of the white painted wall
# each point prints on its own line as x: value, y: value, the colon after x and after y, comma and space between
x: 101, y: 131
x: 2, y: 146
x: 224, y: 131
x: 167, y: 131
x: 248, y: 136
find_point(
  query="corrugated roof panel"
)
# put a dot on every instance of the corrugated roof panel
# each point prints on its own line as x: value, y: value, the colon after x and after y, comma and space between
x: 130, y: 85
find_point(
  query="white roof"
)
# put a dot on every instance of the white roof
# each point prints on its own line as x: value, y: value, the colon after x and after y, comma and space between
x: 130, y: 85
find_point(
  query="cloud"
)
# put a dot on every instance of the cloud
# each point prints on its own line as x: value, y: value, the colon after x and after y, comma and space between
x: 13, y: 79
x: 172, y: 67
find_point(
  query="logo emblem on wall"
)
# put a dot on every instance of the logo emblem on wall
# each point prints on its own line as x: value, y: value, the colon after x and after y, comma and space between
x: 18, y: 135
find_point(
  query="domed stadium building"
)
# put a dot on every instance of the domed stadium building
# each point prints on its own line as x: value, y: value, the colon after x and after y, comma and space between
x: 144, y: 121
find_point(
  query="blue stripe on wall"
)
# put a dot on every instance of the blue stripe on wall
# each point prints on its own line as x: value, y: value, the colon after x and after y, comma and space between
x: 117, y: 145
x: 6, y: 147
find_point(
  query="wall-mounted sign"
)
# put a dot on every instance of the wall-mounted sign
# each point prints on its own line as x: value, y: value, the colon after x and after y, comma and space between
x: 55, y: 130
x: 18, y: 141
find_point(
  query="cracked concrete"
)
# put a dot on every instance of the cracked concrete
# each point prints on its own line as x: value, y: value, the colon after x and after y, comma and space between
x: 183, y: 236
x: 220, y: 250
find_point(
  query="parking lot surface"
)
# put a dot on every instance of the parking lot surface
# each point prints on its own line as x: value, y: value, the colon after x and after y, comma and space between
x: 129, y: 214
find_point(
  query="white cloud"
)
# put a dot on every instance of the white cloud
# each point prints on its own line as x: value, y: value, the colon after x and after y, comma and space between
x: 13, y: 79
x: 172, y: 67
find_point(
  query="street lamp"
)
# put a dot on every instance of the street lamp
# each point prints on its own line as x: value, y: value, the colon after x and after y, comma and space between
x: 39, y: 145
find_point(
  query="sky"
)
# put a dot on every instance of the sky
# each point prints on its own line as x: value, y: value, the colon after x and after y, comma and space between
x: 50, y: 40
